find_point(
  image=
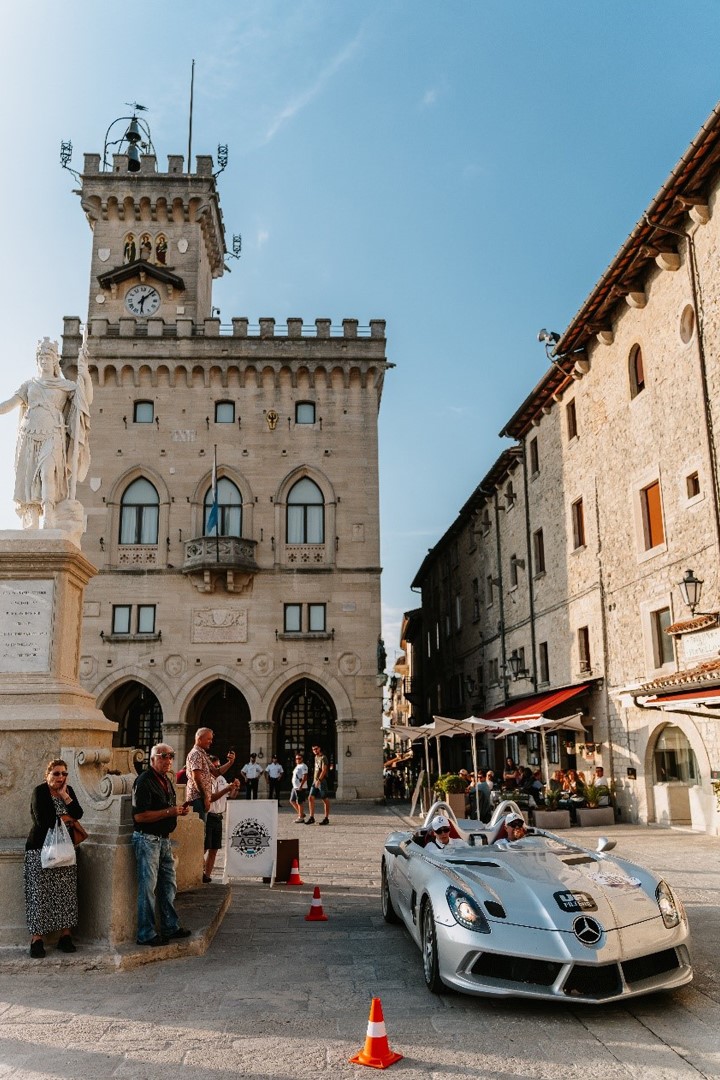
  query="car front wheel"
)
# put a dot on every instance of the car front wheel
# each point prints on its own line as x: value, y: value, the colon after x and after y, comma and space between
x: 389, y: 913
x: 430, y: 951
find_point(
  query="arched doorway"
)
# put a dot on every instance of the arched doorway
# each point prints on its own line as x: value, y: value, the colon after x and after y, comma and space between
x: 222, y: 707
x: 674, y: 771
x: 138, y: 714
x: 305, y: 717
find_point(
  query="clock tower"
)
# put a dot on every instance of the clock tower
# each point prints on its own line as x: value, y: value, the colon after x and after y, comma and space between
x: 158, y: 241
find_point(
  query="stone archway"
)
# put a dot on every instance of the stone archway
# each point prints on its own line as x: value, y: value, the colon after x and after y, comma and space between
x: 675, y: 771
x: 305, y: 716
x: 138, y: 714
x: 221, y: 706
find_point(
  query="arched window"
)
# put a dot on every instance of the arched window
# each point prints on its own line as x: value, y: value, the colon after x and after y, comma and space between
x: 229, y: 521
x: 305, y: 513
x: 637, y: 371
x: 139, y: 511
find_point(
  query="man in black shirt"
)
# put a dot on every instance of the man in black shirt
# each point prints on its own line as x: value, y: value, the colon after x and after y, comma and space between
x: 155, y: 816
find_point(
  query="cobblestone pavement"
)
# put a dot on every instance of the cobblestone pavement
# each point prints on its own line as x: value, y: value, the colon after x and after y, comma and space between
x: 276, y: 997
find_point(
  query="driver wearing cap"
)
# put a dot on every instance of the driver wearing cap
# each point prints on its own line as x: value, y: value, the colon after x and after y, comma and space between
x: 439, y: 837
x: 515, y: 829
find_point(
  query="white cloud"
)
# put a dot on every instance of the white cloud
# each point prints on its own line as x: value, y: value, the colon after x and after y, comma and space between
x: 262, y: 238
x: 301, y: 100
x: 429, y: 98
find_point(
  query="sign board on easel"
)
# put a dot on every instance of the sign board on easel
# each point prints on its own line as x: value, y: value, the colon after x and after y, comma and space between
x: 416, y: 792
x: 251, y: 828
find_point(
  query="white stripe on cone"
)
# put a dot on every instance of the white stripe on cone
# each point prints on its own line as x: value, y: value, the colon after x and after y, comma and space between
x: 376, y: 1031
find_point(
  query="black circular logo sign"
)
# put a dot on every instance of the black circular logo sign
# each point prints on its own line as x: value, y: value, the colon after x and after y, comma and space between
x: 250, y: 837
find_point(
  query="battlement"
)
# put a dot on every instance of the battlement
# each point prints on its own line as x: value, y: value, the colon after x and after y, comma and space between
x: 294, y: 329
x: 148, y: 165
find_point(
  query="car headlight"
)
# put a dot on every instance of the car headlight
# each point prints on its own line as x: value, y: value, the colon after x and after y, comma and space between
x: 670, y: 908
x: 466, y: 912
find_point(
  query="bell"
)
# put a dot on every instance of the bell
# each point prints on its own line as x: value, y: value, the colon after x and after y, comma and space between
x: 133, y: 134
x: 133, y: 158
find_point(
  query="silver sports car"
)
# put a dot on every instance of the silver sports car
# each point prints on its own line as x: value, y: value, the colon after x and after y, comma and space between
x: 541, y: 917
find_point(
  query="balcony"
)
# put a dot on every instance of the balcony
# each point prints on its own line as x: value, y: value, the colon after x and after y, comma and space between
x: 224, y: 561
x: 412, y: 690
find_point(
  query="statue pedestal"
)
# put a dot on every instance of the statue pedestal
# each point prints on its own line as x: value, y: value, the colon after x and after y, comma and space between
x: 45, y: 714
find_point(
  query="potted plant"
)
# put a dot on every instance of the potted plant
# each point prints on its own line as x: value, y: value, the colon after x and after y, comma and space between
x: 548, y: 816
x: 451, y: 788
x: 593, y: 813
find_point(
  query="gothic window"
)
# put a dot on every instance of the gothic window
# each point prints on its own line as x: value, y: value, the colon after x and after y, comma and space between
x: 139, y: 512
x: 637, y: 371
x: 229, y: 519
x: 305, y: 513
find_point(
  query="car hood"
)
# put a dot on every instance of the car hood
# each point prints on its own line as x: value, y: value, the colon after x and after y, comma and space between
x: 534, y: 887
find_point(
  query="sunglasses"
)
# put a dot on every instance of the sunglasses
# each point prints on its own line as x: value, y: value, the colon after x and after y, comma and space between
x: 165, y: 755
x: 442, y: 830
x: 58, y: 774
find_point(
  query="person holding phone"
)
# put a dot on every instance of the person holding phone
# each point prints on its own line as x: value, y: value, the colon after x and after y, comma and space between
x: 50, y: 894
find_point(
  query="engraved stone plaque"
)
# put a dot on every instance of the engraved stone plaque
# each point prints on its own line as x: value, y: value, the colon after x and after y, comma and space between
x: 26, y: 610
x: 218, y: 625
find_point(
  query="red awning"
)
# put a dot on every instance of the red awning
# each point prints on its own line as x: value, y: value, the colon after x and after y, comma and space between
x: 537, y: 705
x: 688, y: 697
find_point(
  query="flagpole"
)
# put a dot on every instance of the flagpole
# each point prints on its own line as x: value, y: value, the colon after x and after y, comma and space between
x: 217, y: 522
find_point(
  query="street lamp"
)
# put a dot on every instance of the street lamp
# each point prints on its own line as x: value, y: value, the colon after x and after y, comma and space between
x: 691, y: 588
x: 515, y: 665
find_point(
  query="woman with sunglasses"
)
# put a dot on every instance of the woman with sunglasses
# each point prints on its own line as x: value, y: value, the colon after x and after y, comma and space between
x: 50, y: 895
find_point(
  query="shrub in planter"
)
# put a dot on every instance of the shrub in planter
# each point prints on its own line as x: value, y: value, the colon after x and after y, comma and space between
x: 450, y: 784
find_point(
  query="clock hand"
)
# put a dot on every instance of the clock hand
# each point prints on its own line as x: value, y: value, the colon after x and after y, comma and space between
x: 143, y: 298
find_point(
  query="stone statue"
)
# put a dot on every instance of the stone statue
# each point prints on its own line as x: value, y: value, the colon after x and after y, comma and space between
x: 381, y: 656
x: 52, y: 451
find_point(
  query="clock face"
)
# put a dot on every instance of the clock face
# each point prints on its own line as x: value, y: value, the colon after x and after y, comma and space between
x: 142, y: 300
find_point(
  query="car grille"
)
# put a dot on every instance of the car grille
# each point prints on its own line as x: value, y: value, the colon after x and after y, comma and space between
x: 517, y: 969
x: 645, y: 967
x: 593, y: 982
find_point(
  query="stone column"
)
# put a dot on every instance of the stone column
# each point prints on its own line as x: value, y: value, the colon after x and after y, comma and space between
x: 346, y: 789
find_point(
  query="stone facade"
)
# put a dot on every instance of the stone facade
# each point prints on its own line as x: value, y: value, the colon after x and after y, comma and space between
x: 588, y: 524
x: 268, y: 632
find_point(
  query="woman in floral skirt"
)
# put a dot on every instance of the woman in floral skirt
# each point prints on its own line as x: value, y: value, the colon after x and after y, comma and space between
x: 50, y: 895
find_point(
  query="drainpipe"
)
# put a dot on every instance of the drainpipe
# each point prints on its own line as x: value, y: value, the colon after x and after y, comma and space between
x: 503, y: 652
x: 530, y: 566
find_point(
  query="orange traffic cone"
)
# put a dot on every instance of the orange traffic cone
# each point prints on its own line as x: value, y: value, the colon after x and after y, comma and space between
x: 376, y: 1053
x: 294, y: 878
x: 315, y: 914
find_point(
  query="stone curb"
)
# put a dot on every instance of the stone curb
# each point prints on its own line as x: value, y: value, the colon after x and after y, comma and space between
x: 201, y: 910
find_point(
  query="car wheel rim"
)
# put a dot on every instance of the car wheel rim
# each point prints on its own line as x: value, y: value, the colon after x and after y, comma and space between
x: 428, y: 943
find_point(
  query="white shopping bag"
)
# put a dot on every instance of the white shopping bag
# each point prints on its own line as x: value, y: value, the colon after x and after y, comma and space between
x: 58, y: 848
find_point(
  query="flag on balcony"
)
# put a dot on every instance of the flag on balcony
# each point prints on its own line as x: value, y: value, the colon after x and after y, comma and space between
x: 213, y: 515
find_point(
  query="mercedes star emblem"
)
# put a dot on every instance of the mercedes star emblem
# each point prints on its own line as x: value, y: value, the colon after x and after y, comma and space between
x: 587, y: 930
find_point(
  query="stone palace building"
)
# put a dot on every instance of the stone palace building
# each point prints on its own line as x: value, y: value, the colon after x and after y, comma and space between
x: 261, y: 618
x: 582, y: 577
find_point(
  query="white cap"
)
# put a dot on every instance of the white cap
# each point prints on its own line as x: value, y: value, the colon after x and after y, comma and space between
x: 513, y: 818
x: 439, y: 822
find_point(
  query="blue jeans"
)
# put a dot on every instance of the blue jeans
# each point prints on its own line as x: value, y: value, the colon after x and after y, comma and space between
x: 156, y: 876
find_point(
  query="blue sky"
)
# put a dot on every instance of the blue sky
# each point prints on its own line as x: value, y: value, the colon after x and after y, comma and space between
x: 464, y: 169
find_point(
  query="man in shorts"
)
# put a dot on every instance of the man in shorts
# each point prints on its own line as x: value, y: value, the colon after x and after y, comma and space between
x: 319, y: 788
x: 299, y: 788
x: 221, y: 792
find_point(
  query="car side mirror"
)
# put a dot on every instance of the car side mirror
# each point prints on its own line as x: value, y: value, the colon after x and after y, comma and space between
x: 397, y: 849
x: 604, y: 844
